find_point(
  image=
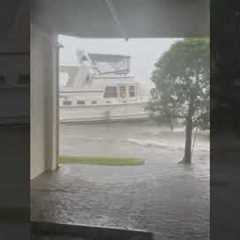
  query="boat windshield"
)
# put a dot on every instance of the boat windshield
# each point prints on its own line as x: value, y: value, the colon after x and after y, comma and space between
x: 123, y: 92
x: 110, y: 92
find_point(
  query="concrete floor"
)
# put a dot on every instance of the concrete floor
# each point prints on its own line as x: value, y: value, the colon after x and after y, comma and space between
x: 163, y: 197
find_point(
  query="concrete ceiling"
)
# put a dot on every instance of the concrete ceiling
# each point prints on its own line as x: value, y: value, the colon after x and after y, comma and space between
x: 138, y: 18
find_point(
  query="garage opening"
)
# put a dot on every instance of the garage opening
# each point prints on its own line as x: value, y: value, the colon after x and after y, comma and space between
x: 121, y: 145
x: 119, y: 115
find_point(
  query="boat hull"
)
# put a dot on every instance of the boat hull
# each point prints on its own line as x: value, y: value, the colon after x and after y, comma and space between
x: 103, y: 113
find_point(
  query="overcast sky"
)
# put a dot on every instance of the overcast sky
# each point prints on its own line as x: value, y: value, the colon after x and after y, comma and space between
x: 144, y: 52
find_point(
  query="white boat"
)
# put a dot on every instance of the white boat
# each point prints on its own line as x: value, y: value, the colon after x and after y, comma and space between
x: 100, y: 89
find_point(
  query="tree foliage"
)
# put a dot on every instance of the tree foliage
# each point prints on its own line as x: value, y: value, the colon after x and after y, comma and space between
x: 181, y: 76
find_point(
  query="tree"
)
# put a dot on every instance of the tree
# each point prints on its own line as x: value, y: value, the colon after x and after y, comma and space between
x: 181, y: 79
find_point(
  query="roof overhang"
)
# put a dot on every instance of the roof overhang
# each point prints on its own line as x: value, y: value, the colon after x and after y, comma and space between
x: 137, y: 18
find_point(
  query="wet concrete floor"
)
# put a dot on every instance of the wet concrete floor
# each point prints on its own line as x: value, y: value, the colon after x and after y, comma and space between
x: 146, y: 197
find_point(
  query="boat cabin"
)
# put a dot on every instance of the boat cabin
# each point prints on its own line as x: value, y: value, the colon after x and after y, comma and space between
x: 110, y: 94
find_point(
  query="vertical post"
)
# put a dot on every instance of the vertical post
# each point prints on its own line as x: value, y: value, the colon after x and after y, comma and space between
x: 52, y: 106
x: 57, y: 102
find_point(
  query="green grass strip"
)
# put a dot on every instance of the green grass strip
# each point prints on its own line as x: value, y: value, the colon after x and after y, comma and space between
x: 108, y: 161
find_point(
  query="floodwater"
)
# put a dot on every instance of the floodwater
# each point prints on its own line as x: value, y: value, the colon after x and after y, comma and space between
x: 162, y: 196
x: 125, y: 140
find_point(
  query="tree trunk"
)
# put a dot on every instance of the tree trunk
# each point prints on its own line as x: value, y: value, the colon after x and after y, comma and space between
x: 171, y: 124
x: 188, y: 142
x: 188, y: 135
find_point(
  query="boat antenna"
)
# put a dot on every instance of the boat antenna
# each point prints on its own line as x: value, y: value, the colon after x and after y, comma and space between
x: 116, y: 18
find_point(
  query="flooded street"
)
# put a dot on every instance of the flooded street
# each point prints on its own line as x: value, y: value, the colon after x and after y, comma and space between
x: 125, y: 139
x: 170, y: 199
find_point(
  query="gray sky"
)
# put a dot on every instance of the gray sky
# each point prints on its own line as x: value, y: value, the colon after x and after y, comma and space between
x: 144, y: 52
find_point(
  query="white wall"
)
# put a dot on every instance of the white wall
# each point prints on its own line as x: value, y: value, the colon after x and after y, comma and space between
x: 43, y: 101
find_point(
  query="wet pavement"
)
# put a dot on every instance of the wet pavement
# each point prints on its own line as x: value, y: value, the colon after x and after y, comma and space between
x: 169, y: 199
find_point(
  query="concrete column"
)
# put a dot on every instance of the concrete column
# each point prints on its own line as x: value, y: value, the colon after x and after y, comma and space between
x: 52, y: 106
x: 44, y: 80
